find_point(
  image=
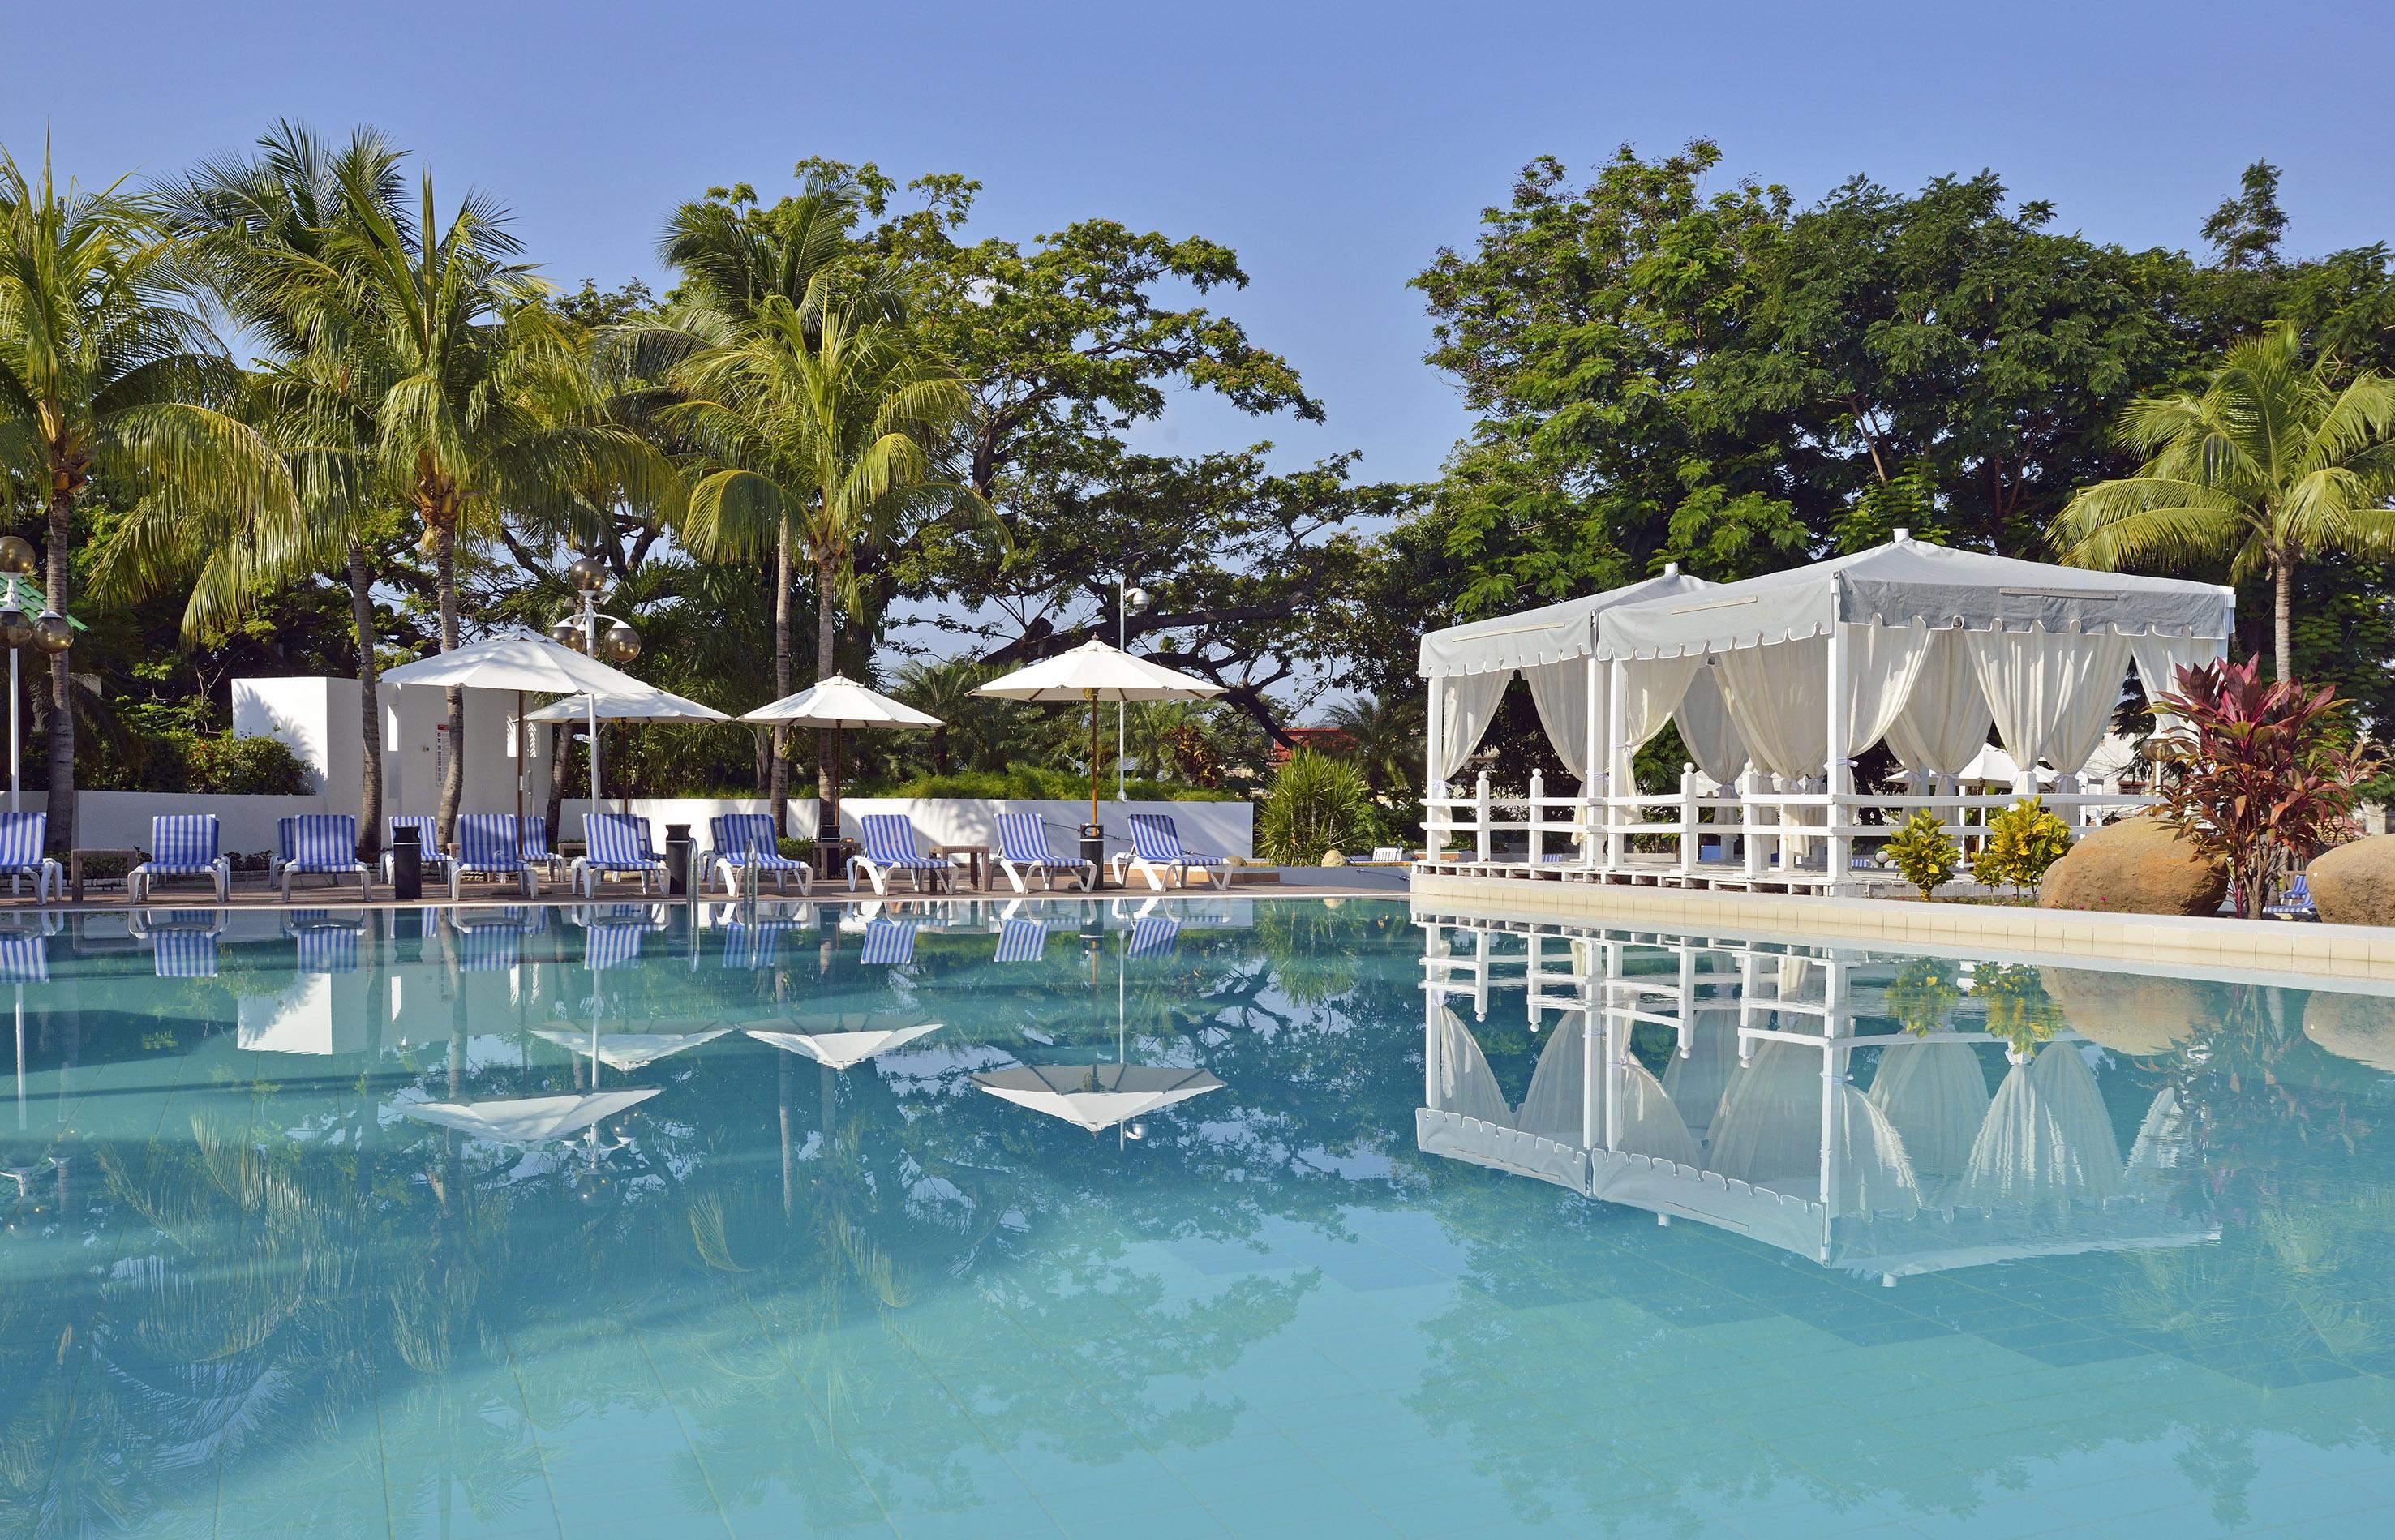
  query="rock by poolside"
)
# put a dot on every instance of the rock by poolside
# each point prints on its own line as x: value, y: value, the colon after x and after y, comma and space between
x: 2355, y: 884
x: 2137, y: 866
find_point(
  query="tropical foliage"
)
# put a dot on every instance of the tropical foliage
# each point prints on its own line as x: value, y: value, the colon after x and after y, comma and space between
x: 1315, y: 805
x: 1923, y: 853
x: 2022, y: 843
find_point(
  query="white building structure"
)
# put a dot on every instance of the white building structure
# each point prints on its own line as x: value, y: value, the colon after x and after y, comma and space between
x: 1776, y: 684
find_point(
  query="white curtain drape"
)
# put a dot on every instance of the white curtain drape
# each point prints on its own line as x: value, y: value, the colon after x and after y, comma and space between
x: 1779, y: 699
x: 2160, y: 658
x: 1705, y: 727
x: 1944, y: 723
x: 1469, y: 700
x: 1466, y: 1084
x: 2051, y: 691
x: 1884, y: 663
x: 1560, y: 691
x: 1651, y: 690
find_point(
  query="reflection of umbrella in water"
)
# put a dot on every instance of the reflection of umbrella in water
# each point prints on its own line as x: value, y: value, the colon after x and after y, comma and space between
x: 527, y: 1120
x: 853, y: 1041
x: 628, y: 1050
x: 1096, y: 1096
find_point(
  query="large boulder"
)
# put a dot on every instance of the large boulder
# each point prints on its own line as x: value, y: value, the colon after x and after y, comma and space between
x: 2355, y: 884
x: 2137, y: 866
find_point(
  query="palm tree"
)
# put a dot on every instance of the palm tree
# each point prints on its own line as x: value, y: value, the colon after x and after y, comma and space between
x: 105, y: 373
x: 1383, y: 741
x: 258, y: 229
x: 819, y: 419
x: 945, y: 690
x: 2271, y: 464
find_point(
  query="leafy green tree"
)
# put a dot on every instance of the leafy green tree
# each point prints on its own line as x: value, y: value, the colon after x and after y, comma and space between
x: 2274, y: 461
x: 107, y: 376
x: 1316, y: 804
x: 1384, y: 743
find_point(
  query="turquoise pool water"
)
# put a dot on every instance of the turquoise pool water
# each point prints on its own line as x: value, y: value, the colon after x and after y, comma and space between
x: 1231, y: 1215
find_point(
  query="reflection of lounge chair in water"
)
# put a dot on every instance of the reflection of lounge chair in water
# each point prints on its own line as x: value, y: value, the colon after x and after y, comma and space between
x: 1021, y: 939
x: 183, y: 942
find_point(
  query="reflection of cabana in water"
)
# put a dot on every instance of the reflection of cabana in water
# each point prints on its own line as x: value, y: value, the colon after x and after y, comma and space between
x: 1776, y: 684
x: 1758, y: 1125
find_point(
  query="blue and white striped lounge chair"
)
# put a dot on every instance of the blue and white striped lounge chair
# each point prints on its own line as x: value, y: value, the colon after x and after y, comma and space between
x: 22, y: 836
x: 324, y: 845
x: 1022, y: 849
x: 888, y: 942
x: 1021, y: 939
x: 2294, y: 900
x: 488, y: 846
x: 424, y: 831
x: 1154, y: 936
x: 618, y: 844
x: 282, y: 856
x: 536, y: 851
x: 181, y: 845
x: 890, y: 848
x: 738, y: 841
x: 1158, y: 854
x: 24, y: 957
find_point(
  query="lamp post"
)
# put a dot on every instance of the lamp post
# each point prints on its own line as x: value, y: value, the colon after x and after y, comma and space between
x: 51, y: 632
x: 619, y: 644
x: 1128, y: 602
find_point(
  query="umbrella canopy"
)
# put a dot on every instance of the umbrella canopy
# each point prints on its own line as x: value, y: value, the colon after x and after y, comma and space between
x: 525, y: 663
x: 1095, y: 1096
x: 1095, y: 672
x: 627, y: 1050
x: 839, y: 701
x: 527, y: 1120
x: 649, y: 705
x: 845, y: 1049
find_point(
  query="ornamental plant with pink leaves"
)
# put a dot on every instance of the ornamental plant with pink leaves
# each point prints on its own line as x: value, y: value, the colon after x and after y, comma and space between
x: 2262, y: 772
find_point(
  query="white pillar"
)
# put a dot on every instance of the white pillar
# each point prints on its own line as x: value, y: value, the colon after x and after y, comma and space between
x: 1688, y: 824
x: 1619, y: 781
x: 1480, y: 815
x: 1434, y: 816
x: 1592, y: 763
x: 1750, y: 816
x: 1432, y: 999
x: 1537, y: 819
x: 1839, y: 772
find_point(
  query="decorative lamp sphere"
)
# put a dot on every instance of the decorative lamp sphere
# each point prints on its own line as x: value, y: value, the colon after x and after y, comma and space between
x: 16, y: 628
x: 1136, y: 600
x: 52, y: 634
x: 16, y: 556
x: 565, y: 633
x: 621, y: 642
x: 588, y: 573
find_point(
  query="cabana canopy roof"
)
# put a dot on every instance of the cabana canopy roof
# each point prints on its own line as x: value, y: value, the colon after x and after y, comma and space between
x: 1904, y: 583
x: 1554, y: 633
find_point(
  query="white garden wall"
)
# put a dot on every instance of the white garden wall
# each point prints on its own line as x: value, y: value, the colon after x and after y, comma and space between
x: 1225, y: 828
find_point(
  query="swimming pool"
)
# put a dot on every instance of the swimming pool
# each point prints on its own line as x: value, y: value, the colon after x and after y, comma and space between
x: 1172, y: 1220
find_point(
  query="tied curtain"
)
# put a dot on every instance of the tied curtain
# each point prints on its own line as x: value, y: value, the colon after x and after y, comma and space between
x: 1944, y: 725
x: 1779, y: 695
x: 1705, y: 727
x: 1560, y: 691
x: 1466, y: 702
x: 1651, y: 690
x: 2051, y: 691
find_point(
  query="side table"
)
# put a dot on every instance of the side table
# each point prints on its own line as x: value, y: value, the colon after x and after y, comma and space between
x: 74, y: 866
x: 977, y: 861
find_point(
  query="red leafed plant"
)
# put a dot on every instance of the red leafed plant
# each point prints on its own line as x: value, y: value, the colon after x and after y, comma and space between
x: 2261, y: 772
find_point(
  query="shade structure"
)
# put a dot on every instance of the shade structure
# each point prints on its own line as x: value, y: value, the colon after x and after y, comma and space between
x: 839, y: 702
x: 527, y: 1120
x: 526, y: 664
x: 853, y: 1042
x: 627, y: 1051
x: 1095, y: 672
x: 1095, y: 1096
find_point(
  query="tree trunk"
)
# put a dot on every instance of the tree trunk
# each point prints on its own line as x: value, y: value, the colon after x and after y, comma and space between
x: 560, y: 739
x: 2282, y: 619
x: 453, y: 779
x: 826, y: 591
x: 369, y: 704
x: 777, y: 771
x: 61, y: 724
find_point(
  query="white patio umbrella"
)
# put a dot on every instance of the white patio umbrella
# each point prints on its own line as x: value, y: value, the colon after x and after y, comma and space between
x: 527, y: 1120
x: 1095, y: 672
x: 625, y: 1051
x: 839, y: 702
x: 526, y: 664
x: 649, y: 705
x: 858, y: 1039
x: 1095, y: 1096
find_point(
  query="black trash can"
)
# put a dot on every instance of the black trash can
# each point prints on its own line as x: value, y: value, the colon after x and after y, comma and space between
x: 678, y: 848
x: 407, y: 871
x: 1094, y: 848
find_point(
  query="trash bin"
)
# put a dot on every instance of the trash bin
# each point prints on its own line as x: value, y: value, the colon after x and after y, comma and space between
x: 1094, y: 848
x: 678, y: 848
x: 407, y: 871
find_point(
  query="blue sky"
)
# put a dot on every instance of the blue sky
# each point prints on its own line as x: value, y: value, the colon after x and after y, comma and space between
x: 1334, y: 147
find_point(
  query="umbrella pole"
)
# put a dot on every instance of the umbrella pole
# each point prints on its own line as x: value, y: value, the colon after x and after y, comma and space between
x: 520, y: 762
x: 1093, y: 757
x: 590, y: 720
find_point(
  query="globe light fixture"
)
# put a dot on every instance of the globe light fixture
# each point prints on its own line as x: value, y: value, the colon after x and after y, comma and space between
x: 621, y: 643
x: 16, y: 556
x: 52, y: 634
x: 16, y: 628
x: 588, y: 573
x: 565, y: 633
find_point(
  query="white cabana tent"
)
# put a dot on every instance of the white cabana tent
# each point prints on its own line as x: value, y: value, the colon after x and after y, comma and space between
x: 1778, y: 682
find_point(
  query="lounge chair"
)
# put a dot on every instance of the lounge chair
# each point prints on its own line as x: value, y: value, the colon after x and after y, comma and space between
x: 181, y: 845
x: 21, y: 836
x: 536, y: 851
x: 890, y: 848
x: 739, y: 841
x: 323, y: 945
x: 424, y: 830
x: 1154, y: 936
x: 282, y: 856
x: 24, y: 957
x: 1022, y: 849
x: 889, y: 943
x: 488, y: 938
x: 183, y: 942
x: 324, y: 845
x: 489, y: 846
x: 618, y: 844
x: 2294, y: 900
x: 1158, y: 854
x: 1021, y: 939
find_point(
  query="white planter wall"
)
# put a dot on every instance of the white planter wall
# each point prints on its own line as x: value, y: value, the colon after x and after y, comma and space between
x: 246, y: 823
x: 1225, y: 828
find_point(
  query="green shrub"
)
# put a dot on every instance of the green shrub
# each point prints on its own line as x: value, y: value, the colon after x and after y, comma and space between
x: 1026, y: 783
x: 256, y: 767
x: 2023, y: 841
x: 1923, y: 853
x: 795, y: 849
x: 1316, y: 804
